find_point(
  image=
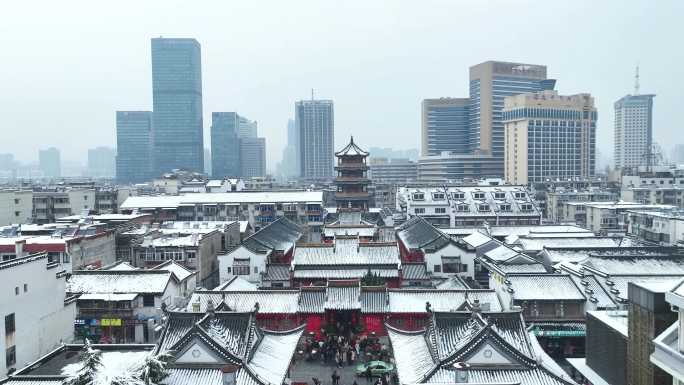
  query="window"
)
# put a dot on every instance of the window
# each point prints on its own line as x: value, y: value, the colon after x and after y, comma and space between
x: 462, y: 208
x: 438, y: 196
x: 85, y: 197
x: 483, y: 207
x: 229, y: 270
x: 9, y: 324
x: 458, y: 195
x: 241, y: 270
x: 16, y: 290
x: 17, y: 213
x: 478, y: 195
x: 499, y: 195
x: 505, y: 207
x: 256, y: 269
x: 418, y: 196
x: 419, y: 210
x: 519, y: 195
x: 440, y: 210
x: 25, y: 287
x: 148, y: 300
x: 11, y: 356
x: 437, y: 269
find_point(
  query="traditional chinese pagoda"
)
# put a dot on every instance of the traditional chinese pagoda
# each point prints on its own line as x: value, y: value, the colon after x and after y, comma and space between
x: 352, y: 179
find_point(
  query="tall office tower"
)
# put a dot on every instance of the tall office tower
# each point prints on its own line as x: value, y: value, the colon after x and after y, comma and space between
x: 633, y: 131
x: 445, y: 126
x: 549, y: 136
x: 225, y: 144
x: 315, y: 122
x: 678, y: 154
x: 102, y: 162
x: 50, y: 162
x: 134, y: 146
x: 248, y: 128
x: 207, y: 161
x: 177, y: 105
x: 252, y: 157
x: 490, y: 83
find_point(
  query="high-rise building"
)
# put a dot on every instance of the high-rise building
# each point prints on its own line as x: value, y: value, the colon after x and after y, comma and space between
x: 315, y: 122
x: 548, y: 137
x: 445, y: 126
x: 50, y: 162
x: 207, y: 161
x: 248, y: 128
x: 177, y: 105
x: 633, y: 131
x: 225, y: 144
x: 490, y: 83
x: 102, y: 162
x: 133, y: 146
x: 252, y: 157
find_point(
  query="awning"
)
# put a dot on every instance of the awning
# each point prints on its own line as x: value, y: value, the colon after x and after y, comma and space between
x: 108, y: 297
x: 561, y: 329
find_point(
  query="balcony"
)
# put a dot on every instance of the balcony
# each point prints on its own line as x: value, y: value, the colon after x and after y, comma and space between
x: 666, y: 354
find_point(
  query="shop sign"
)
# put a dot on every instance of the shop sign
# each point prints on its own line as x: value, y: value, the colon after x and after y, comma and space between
x: 110, y: 322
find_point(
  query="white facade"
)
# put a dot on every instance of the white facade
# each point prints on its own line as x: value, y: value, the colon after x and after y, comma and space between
x: 32, y: 293
x: 451, y: 260
x: 633, y: 130
x: 15, y: 207
x: 243, y: 263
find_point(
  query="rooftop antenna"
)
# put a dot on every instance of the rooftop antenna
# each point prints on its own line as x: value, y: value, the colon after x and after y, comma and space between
x: 636, y: 81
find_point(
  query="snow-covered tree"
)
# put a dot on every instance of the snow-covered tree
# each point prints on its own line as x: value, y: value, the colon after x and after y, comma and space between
x: 92, y: 362
x: 154, y: 369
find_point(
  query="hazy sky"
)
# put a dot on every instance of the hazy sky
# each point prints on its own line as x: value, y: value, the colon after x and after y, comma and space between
x: 66, y: 67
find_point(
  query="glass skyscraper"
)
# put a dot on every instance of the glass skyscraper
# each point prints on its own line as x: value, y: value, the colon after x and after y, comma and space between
x: 133, y: 146
x: 225, y: 144
x: 445, y: 126
x: 177, y: 105
x: 315, y: 122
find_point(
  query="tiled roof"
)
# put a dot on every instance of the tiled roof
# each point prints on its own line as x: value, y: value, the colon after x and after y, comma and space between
x: 347, y: 251
x: 414, y: 300
x: 279, y: 235
x: 113, y: 281
x: 184, y: 376
x: 311, y: 300
x: 551, y: 287
x: 277, y: 272
x: 342, y: 272
x: 342, y: 297
x: 181, y: 272
x: 414, y: 271
x: 270, y: 301
x: 351, y: 149
x: 169, y: 201
x: 374, y: 300
x: 418, y: 233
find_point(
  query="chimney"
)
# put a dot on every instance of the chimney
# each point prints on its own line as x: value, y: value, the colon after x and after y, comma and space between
x: 228, y: 374
x: 461, y: 372
x: 19, y: 248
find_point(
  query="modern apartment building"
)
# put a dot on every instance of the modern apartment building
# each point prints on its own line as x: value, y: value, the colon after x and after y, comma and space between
x: 315, y: 120
x: 490, y: 83
x: 133, y: 146
x: 633, y: 130
x: 101, y: 162
x: 177, y: 105
x: 50, y: 162
x: 16, y: 206
x: 225, y: 144
x: 252, y: 157
x: 549, y: 136
x: 445, y: 126
x: 393, y: 170
x: 458, y: 167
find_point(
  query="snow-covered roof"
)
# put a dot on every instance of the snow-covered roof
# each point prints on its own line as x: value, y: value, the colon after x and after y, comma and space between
x: 361, y: 231
x: 108, y: 297
x: 179, y: 271
x: 414, y: 271
x: 279, y: 235
x: 543, y: 287
x: 270, y: 301
x: 336, y: 272
x: 236, y: 283
x: 347, y: 297
x: 120, y: 266
x: 476, y: 239
x: 417, y: 233
x: 538, y: 243
x: 168, y: 201
x: 616, y: 319
x: 347, y: 251
x: 414, y: 300
x: 108, y: 281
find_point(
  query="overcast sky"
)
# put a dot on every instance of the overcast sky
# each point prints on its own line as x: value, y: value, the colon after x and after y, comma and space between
x: 66, y: 67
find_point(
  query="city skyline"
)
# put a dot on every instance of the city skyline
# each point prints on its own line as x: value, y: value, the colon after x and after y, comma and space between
x: 266, y: 92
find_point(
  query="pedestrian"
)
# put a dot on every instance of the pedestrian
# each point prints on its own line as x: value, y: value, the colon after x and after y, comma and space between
x: 369, y: 375
x: 335, y: 378
x: 383, y: 379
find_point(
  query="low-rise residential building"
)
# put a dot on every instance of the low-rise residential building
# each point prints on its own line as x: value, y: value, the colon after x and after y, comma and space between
x: 195, y: 249
x: 273, y: 244
x: 653, y: 194
x: 457, y: 206
x: 258, y: 207
x: 603, y: 217
x: 122, y: 306
x: 555, y: 208
x: 49, y: 205
x: 664, y: 227
x: 16, y: 206
x: 35, y: 314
